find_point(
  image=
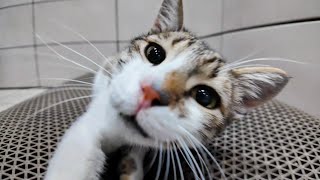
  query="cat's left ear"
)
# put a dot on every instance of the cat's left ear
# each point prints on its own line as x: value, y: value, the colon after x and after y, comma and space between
x: 253, y: 86
x: 170, y: 17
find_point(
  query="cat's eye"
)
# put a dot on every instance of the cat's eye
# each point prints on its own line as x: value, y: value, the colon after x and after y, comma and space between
x: 155, y: 53
x: 205, y: 96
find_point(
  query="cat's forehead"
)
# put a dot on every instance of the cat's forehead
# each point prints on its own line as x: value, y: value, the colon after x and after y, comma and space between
x: 184, y: 52
x: 180, y: 42
x: 171, y: 40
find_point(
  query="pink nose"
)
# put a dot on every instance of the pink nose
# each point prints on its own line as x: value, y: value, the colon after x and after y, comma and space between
x: 149, y: 95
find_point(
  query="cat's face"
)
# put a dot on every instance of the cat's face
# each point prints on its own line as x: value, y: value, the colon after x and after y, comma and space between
x: 171, y: 87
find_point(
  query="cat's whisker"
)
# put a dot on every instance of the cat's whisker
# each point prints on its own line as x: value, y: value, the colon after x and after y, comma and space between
x: 81, y: 55
x: 56, y: 104
x: 32, y: 54
x: 214, y: 160
x: 244, y: 58
x: 178, y: 161
x: 223, y: 69
x: 71, y: 80
x: 59, y: 66
x: 159, y: 163
x: 186, y: 157
x: 194, y: 160
x: 205, y: 158
x: 63, y: 57
x: 205, y: 149
x: 64, y: 88
x: 273, y: 59
x: 268, y: 59
x: 92, y: 77
x: 173, y: 163
x: 200, y: 157
x: 85, y: 39
x: 75, y: 85
x: 152, y: 161
x: 166, y: 174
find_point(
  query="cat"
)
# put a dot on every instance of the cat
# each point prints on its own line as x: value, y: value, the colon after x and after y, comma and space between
x: 167, y: 90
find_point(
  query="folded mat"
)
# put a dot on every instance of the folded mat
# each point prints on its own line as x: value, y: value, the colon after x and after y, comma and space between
x: 275, y: 141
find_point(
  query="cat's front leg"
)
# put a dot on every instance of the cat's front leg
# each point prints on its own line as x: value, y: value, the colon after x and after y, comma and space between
x: 131, y: 165
x: 79, y: 156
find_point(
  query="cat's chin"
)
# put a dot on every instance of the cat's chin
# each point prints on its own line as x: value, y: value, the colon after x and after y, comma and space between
x: 131, y: 122
x: 159, y: 123
x: 148, y: 129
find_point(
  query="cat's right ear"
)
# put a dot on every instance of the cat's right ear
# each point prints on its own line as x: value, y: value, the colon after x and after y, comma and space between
x: 170, y: 17
x: 255, y: 85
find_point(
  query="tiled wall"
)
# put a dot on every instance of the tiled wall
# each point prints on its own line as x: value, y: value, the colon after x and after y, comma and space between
x: 109, y: 24
x: 287, y: 29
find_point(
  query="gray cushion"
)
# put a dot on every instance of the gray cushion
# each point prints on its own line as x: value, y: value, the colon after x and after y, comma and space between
x: 273, y: 141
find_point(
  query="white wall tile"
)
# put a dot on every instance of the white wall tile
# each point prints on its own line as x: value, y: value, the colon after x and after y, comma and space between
x: 6, y: 3
x: 94, y: 19
x: 214, y: 42
x: 203, y: 17
x: 300, y: 42
x: 17, y: 68
x: 136, y: 17
x: 244, y: 13
x: 123, y: 45
x: 16, y: 26
x: 52, y: 66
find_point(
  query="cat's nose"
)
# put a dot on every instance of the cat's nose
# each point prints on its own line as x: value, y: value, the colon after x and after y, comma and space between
x: 155, y: 95
x: 150, y: 97
x: 150, y: 94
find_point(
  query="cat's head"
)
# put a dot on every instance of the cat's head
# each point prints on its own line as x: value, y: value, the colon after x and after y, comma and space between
x: 171, y: 87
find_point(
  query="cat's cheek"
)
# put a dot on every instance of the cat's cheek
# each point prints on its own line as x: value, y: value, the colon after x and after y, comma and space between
x: 123, y: 105
x: 124, y: 100
x: 126, y: 87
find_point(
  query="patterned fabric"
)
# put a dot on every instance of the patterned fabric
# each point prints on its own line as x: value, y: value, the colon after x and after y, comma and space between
x: 274, y: 141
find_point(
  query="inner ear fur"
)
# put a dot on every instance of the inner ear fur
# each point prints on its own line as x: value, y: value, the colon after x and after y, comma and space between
x: 256, y: 85
x: 170, y: 17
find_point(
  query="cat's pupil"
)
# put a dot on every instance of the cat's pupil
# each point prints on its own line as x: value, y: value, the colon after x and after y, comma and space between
x: 205, y: 96
x: 155, y: 53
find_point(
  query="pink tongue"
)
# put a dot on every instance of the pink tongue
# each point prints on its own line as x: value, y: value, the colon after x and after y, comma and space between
x: 143, y: 105
x: 149, y: 94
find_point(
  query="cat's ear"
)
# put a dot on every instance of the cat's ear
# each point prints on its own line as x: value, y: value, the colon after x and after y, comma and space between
x: 170, y: 17
x: 256, y: 85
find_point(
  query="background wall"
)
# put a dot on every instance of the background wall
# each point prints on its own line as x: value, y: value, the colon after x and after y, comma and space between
x: 287, y: 29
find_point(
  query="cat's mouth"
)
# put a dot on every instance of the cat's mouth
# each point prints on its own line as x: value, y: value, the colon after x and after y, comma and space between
x: 132, y: 122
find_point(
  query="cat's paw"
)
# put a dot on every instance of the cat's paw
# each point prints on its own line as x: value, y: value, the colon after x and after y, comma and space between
x: 128, y: 169
x: 131, y: 165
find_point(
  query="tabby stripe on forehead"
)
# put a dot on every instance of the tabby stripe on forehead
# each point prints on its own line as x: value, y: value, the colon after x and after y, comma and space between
x: 121, y: 62
x: 178, y: 40
x: 166, y: 35
x: 192, y: 41
x: 136, y: 47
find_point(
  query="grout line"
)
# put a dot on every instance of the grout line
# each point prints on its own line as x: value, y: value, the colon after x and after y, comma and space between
x: 221, y: 39
x: 16, y: 5
x: 16, y: 47
x: 26, y: 4
x: 304, y: 20
x: 66, y: 43
x: 35, y: 49
x: 25, y: 87
x: 117, y: 24
x: 315, y: 19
